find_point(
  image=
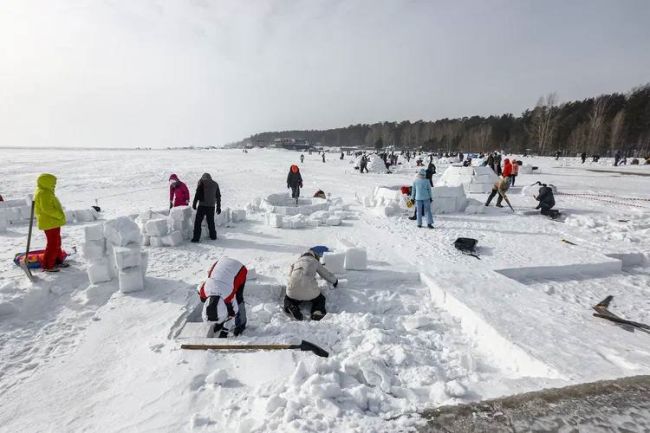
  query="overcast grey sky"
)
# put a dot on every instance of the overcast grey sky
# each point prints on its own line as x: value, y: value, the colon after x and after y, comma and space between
x: 201, y: 72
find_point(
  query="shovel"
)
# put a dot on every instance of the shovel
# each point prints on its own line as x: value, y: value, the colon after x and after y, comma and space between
x: 23, y: 263
x: 503, y: 195
x: 305, y: 346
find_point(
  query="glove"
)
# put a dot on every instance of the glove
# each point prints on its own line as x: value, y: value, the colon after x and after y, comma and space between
x: 171, y: 205
x: 218, y: 211
x: 336, y: 283
x: 194, y: 206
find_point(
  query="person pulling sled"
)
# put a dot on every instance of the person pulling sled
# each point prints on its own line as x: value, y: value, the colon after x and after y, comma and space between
x: 303, y: 287
x: 222, y: 294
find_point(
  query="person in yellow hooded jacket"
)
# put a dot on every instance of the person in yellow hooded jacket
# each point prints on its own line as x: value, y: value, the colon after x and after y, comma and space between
x: 51, y: 218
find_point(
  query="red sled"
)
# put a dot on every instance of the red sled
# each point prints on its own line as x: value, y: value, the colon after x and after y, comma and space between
x: 34, y: 259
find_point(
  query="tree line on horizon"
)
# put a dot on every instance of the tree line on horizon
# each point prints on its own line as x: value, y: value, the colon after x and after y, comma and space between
x: 600, y: 125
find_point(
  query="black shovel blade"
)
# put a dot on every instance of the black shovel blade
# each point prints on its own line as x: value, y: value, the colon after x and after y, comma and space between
x: 306, y: 346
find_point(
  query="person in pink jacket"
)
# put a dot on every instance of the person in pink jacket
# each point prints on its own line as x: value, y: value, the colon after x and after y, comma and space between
x: 179, y: 195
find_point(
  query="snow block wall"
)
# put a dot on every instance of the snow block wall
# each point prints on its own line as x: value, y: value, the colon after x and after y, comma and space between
x: 475, y: 180
x: 113, y: 250
x: 389, y: 201
x: 281, y: 211
x: 448, y: 199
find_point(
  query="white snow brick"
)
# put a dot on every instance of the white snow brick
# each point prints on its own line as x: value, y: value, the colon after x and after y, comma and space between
x: 69, y: 216
x: 157, y: 227
x: 94, y: 232
x: 13, y: 214
x: 274, y: 220
x: 156, y: 241
x: 122, y: 231
x: 146, y: 240
x: 295, y: 222
x: 3, y: 221
x: 320, y: 216
x: 312, y: 223
x: 173, y: 239
x: 238, y: 215
x: 223, y: 218
x: 84, y: 215
x: 334, y: 262
x: 99, y: 271
x: 180, y: 213
x: 345, y: 244
x: 93, y: 250
x: 126, y: 257
x: 25, y: 212
x: 144, y: 262
x: 356, y: 259
x: 131, y: 280
x: 333, y: 221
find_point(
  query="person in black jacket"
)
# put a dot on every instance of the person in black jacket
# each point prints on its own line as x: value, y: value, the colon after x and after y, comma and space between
x: 546, y: 199
x: 431, y: 170
x: 294, y: 182
x: 208, y: 196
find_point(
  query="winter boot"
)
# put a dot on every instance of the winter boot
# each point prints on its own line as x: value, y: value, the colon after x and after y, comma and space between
x: 293, y: 311
x: 317, y: 315
x: 430, y: 226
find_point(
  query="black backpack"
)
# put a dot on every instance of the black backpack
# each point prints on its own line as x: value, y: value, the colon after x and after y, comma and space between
x: 467, y: 246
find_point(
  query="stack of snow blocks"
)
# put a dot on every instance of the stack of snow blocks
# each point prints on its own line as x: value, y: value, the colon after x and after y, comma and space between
x: 14, y: 212
x: 356, y: 258
x: 113, y: 250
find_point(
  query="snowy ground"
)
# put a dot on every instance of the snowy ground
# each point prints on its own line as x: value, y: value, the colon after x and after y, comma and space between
x: 424, y: 326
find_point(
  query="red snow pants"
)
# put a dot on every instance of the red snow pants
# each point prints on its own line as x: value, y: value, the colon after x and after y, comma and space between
x: 53, y: 252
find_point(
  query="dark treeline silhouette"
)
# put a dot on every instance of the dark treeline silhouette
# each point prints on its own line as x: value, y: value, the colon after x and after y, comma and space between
x: 600, y: 125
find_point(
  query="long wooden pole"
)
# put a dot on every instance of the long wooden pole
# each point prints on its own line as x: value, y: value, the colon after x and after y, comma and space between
x: 237, y: 346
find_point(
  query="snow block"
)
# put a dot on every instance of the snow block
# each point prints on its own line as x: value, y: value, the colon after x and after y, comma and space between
x: 274, y: 220
x: 122, y: 231
x: 173, y: 239
x: 333, y: 221
x: 94, y: 232
x: 99, y: 271
x: 156, y: 241
x: 3, y: 221
x: 334, y: 262
x: 252, y: 273
x: 238, y: 215
x: 180, y: 213
x: 144, y: 262
x: 356, y: 259
x: 84, y: 215
x: 126, y: 257
x: 223, y: 218
x: 157, y: 227
x: 295, y: 222
x: 131, y: 280
x: 345, y: 244
x: 146, y: 240
x: 93, y: 250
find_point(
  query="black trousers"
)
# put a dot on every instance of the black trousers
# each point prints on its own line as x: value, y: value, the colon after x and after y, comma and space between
x: 295, y: 191
x: 492, y: 194
x: 204, y: 212
x: 512, y: 179
x: 317, y: 304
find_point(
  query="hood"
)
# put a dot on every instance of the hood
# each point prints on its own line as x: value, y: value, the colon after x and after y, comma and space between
x: 173, y: 177
x: 506, y: 161
x: 294, y: 168
x: 206, y: 176
x: 46, y: 181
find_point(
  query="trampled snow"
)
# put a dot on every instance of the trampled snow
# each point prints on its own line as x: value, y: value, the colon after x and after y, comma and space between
x: 417, y: 326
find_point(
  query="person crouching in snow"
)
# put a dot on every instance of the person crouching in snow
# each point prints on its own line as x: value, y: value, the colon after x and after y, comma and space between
x: 222, y: 295
x: 50, y: 216
x: 421, y: 193
x: 179, y: 195
x: 207, y: 196
x: 303, y: 287
x: 294, y: 182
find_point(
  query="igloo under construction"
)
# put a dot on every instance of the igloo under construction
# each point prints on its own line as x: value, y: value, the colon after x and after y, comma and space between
x: 476, y: 180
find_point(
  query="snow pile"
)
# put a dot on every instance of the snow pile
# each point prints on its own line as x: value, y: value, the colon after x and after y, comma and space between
x: 376, y: 164
x: 472, y: 179
x: 113, y: 250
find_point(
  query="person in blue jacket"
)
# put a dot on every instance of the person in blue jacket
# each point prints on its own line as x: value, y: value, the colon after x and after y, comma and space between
x: 421, y: 193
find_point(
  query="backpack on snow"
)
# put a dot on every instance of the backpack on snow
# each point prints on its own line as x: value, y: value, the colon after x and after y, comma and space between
x: 467, y: 246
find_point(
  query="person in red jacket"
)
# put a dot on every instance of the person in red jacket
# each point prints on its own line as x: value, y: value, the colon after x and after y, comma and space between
x: 507, y: 169
x: 515, y: 172
x: 179, y: 195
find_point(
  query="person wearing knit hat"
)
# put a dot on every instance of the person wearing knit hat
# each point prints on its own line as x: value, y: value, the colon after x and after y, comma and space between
x: 421, y: 193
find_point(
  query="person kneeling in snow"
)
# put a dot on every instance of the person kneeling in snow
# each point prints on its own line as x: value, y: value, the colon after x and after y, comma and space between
x: 303, y: 287
x: 223, y: 295
x: 546, y: 200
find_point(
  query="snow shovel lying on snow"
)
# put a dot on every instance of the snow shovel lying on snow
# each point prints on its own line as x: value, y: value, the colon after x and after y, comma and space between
x: 602, y: 311
x: 305, y: 346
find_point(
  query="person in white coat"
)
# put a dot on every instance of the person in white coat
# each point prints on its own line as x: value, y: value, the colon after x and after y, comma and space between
x: 222, y: 294
x: 303, y: 287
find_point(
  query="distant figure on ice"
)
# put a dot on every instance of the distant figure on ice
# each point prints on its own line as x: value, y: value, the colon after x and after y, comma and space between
x: 431, y: 170
x: 303, y: 287
x: 302, y: 158
x: 546, y: 200
x: 500, y: 187
x: 490, y: 162
x: 363, y: 164
x: 497, y: 163
x: 179, y: 195
x: 323, y: 156
x: 50, y: 216
x: 617, y: 157
x: 222, y: 295
x: 583, y: 157
x: 342, y: 155
x: 207, y: 196
x: 1, y: 199
x: 515, y: 172
x: 421, y: 194
x: 294, y: 182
